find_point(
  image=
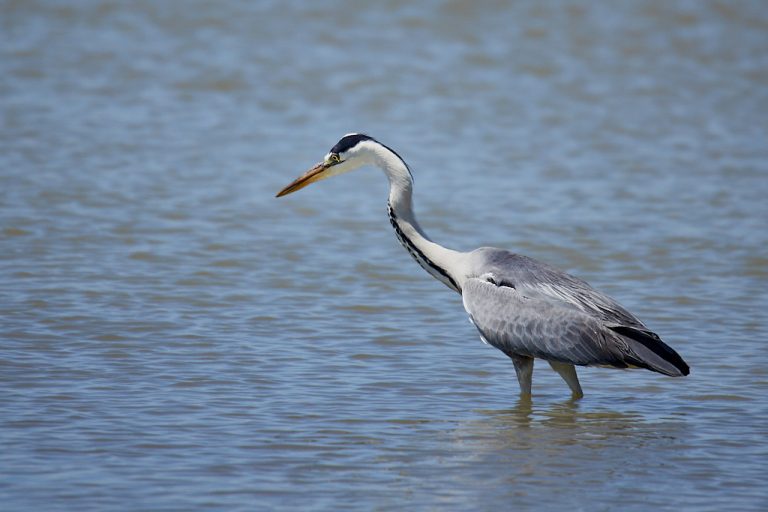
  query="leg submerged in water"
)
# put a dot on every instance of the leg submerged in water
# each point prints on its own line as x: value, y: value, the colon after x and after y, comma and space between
x: 568, y: 372
x: 524, y: 371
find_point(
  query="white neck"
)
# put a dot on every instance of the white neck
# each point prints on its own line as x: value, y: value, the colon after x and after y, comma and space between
x: 445, y: 265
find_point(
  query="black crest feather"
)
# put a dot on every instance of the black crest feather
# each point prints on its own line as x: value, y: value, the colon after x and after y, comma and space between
x: 349, y: 141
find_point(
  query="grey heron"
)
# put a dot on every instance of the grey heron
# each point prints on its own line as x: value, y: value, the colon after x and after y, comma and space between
x: 525, y: 308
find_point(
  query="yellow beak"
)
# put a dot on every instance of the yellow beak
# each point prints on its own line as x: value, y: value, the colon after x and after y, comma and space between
x: 311, y: 176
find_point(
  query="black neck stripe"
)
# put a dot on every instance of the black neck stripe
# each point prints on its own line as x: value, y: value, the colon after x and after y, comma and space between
x: 415, y: 252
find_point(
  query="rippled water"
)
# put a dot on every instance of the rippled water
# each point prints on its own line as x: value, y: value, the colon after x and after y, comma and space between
x: 174, y: 338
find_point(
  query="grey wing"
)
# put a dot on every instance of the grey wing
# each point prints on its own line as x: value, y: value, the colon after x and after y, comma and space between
x: 536, y: 327
x: 522, y: 305
x: 537, y: 280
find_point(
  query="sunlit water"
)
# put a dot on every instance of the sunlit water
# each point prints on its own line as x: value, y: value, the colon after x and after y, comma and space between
x: 174, y: 338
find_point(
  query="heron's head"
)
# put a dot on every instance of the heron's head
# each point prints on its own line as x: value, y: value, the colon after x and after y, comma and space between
x: 353, y: 151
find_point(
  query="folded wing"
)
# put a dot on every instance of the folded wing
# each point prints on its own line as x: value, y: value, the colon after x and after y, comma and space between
x: 526, y: 308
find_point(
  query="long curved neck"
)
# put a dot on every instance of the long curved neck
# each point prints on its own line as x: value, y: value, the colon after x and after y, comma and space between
x: 443, y: 264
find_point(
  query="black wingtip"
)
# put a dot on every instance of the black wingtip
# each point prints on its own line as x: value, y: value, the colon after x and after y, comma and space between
x: 651, y: 341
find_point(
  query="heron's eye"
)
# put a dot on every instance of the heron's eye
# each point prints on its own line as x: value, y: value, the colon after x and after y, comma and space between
x: 334, y: 159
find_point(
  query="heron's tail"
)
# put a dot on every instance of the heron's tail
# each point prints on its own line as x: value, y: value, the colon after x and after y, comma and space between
x: 648, y: 351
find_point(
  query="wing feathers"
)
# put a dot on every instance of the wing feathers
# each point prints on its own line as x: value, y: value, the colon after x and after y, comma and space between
x: 656, y: 354
x: 549, y: 328
x: 537, y: 280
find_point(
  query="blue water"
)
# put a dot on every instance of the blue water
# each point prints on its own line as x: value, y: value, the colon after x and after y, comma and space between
x: 172, y: 337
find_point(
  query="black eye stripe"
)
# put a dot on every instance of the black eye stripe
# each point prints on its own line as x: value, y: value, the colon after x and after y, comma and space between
x: 348, y: 142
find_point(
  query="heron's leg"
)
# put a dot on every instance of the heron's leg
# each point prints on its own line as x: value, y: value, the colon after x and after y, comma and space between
x: 568, y: 372
x: 524, y: 371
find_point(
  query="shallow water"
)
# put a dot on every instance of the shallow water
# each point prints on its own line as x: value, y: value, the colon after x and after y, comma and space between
x: 173, y: 337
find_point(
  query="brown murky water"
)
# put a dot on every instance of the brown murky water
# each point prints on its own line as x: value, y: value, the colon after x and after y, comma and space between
x: 173, y: 338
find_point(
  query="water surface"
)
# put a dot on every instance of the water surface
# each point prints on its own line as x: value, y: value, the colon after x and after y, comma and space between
x: 173, y: 337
